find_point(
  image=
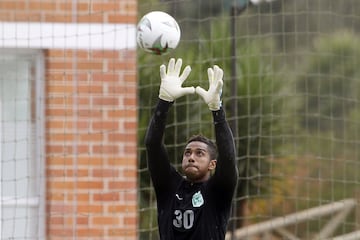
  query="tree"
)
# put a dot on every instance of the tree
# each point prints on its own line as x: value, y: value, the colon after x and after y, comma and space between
x: 330, y: 82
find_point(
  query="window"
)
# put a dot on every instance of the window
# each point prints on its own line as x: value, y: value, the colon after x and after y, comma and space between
x: 22, y: 178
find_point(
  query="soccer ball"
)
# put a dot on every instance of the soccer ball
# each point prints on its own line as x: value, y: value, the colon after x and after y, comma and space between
x: 158, y: 33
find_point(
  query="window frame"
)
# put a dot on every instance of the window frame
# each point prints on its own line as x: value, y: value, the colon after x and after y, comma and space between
x: 37, y: 112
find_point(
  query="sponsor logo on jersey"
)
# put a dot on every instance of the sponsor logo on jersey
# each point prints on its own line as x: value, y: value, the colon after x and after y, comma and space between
x: 178, y: 197
x: 197, y: 199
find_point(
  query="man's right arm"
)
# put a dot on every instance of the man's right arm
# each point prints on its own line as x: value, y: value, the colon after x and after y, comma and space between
x: 157, y: 157
x: 170, y: 89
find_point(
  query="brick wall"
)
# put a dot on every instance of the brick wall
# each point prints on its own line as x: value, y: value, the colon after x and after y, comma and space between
x: 91, y: 123
x: 84, y: 11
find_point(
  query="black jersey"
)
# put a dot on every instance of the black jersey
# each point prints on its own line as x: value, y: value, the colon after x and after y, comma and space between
x: 191, y: 211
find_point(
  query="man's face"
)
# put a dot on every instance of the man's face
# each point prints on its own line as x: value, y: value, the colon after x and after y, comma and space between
x: 196, y: 163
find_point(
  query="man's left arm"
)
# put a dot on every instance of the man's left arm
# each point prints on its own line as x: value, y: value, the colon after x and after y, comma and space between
x: 226, y: 175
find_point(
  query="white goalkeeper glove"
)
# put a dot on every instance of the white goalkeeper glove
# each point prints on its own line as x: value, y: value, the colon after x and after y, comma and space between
x: 171, y: 81
x: 212, y: 97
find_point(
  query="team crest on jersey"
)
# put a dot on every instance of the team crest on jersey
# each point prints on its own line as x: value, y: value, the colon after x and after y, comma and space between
x: 197, y: 199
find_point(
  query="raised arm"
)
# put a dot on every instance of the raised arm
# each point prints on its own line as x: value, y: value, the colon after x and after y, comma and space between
x: 157, y: 157
x: 170, y: 89
x: 226, y: 174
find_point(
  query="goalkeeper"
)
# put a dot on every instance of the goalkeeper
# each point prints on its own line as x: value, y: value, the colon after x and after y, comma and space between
x: 195, y: 206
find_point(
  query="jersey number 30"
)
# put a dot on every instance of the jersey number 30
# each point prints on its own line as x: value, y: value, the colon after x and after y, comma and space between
x: 183, y: 219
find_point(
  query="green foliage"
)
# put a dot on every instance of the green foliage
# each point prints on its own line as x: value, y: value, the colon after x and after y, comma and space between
x: 330, y: 82
x: 329, y: 116
x: 259, y: 116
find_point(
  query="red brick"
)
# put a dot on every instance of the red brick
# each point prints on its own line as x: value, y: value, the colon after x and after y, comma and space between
x: 103, y: 101
x: 82, y: 198
x: 105, y: 173
x: 122, y: 208
x: 103, y: 126
x: 105, y: 77
x: 106, y: 220
x: 116, y: 18
x: 122, y: 185
x: 105, y: 149
x: 42, y: 6
x: 68, y: 6
x: 12, y: 5
x: 130, y: 221
x: 84, y: 209
x: 106, y: 7
x: 90, y: 232
x: 123, y: 232
x: 104, y: 197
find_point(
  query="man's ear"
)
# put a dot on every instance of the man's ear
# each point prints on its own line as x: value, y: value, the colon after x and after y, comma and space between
x: 212, y: 164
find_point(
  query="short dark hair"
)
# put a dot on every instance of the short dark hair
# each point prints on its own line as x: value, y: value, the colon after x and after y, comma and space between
x: 211, y: 145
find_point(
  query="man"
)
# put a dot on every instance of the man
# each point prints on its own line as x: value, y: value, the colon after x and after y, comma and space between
x: 196, y: 206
